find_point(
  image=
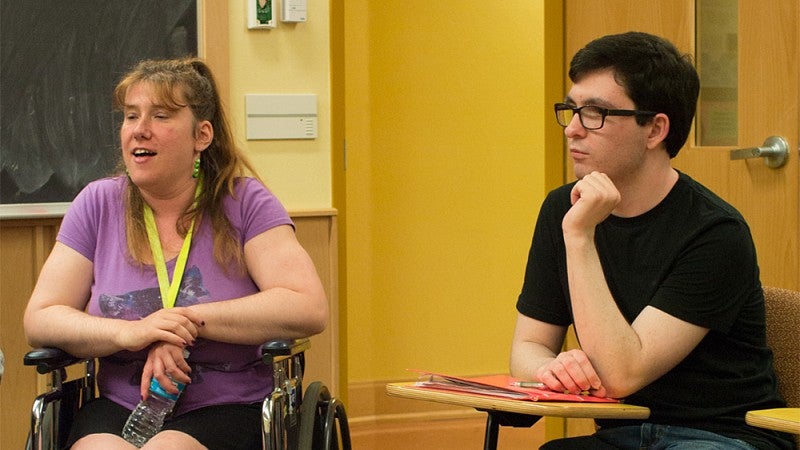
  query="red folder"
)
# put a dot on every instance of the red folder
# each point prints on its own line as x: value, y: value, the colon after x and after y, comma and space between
x: 502, y: 386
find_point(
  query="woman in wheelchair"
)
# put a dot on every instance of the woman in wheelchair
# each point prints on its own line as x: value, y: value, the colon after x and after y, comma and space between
x: 183, y: 249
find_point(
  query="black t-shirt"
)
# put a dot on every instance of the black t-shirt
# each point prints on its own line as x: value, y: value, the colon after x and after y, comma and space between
x: 692, y: 256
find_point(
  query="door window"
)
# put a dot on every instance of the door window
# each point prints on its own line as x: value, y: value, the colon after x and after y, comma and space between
x: 717, y: 63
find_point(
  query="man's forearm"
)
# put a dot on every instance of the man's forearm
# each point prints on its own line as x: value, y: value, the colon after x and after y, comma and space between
x: 527, y: 358
x: 606, y: 337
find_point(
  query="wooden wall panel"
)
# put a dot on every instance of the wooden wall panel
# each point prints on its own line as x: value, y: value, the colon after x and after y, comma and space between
x: 24, y: 246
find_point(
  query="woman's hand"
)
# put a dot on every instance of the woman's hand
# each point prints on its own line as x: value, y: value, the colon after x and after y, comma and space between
x: 572, y: 372
x: 177, y: 326
x: 165, y: 362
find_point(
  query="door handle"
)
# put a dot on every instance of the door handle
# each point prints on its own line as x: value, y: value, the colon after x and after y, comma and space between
x: 775, y: 152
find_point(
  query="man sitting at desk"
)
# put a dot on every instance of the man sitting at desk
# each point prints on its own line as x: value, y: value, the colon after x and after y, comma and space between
x: 657, y: 274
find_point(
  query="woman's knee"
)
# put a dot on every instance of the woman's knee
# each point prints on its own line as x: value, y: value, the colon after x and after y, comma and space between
x: 172, y: 439
x: 102, y: 440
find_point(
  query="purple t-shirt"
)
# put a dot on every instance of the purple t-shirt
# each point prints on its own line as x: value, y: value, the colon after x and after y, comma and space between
x: 221, y: 373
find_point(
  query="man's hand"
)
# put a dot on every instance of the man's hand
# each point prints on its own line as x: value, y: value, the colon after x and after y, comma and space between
x: 593, y: 198
x: 572, y: 372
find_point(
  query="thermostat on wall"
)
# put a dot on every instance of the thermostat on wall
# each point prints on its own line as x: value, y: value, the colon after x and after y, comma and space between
x: 260, y: 14
x: 293, y: 10
x: 281, y: 116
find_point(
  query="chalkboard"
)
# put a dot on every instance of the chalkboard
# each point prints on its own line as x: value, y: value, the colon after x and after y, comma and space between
x: 59, y: 63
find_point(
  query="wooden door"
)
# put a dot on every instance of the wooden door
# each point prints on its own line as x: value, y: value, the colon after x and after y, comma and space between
x: 768, y: 43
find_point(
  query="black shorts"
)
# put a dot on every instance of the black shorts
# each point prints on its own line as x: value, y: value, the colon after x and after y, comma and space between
x: 235, y: 427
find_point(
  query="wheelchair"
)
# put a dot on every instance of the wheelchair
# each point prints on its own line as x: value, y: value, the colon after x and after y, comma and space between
x: 291, y: 419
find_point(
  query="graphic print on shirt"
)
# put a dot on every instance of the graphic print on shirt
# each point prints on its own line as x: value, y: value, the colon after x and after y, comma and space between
x: 138, y: 304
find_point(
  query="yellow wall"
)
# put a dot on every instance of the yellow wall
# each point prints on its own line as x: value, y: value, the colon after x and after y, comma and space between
x: 290, y: 59
x: 446, y: 122
x: 446, y: 169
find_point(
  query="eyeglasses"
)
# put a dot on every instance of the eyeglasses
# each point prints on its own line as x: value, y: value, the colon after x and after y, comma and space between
x: 592, y: 117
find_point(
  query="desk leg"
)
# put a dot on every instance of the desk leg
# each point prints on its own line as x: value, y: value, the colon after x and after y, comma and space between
x: 495, y: 419
x: 492, y: 430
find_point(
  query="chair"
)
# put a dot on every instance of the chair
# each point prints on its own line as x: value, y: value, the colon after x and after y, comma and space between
x: 783, y: 315
x: 289, y: 422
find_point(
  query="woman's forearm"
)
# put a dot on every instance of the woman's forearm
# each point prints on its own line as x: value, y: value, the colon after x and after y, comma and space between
x: 277, y: 313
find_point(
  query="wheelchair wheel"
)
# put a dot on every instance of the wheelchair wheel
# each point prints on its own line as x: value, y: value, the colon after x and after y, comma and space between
x: 318, y: 418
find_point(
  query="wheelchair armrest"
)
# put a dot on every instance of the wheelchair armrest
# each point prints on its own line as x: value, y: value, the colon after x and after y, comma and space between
x: 283, y: 348
x: 48, y: 359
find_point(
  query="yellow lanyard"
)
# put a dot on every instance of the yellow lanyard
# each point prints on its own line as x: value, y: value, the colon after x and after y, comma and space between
x: 169, y: 290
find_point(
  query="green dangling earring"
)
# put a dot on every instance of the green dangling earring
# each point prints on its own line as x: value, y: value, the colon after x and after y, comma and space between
x: 196, y: 171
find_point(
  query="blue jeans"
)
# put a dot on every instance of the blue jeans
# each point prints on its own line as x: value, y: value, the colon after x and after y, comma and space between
x: 651, y: 437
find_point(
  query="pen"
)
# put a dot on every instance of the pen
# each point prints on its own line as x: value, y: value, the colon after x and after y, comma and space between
x: 528, y: 384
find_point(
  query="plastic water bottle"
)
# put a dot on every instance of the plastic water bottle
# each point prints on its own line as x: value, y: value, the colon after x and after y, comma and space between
x: 148, y: 417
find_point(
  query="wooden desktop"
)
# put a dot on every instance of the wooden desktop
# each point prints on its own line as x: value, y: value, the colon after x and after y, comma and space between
x: 516, y: 413
x: 779, y: 419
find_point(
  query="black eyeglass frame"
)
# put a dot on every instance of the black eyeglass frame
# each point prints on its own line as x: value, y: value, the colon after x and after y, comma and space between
x: 604, y: 112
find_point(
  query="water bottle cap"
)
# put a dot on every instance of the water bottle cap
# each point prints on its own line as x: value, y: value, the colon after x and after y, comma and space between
x: 156, y: 388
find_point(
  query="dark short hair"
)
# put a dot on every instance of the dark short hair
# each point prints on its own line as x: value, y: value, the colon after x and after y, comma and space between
x: 654, y: 74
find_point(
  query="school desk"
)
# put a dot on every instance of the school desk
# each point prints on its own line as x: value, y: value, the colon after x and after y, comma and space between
x: 509, y: 412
